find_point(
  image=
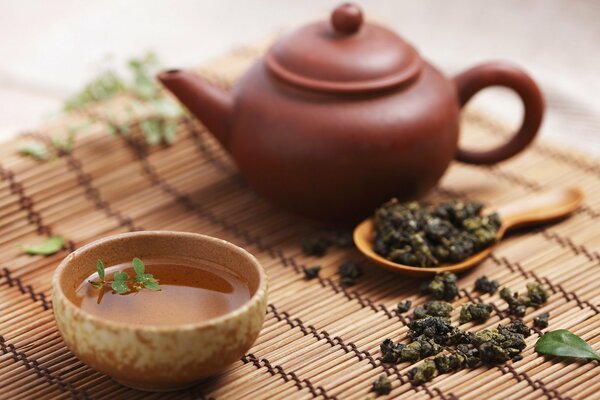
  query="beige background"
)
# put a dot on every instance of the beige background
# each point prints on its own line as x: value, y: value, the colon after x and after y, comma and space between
x: 49, y: 48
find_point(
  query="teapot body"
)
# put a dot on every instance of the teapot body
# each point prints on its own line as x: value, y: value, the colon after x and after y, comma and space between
x: 337, y: 157
x: 339, y: 116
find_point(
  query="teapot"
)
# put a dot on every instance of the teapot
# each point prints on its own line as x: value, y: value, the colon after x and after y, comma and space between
x: 340, y: 116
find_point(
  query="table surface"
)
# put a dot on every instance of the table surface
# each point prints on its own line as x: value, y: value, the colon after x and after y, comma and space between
x: 49, y: 49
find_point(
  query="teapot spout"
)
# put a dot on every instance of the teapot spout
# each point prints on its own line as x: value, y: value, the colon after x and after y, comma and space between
x: 211, y: 105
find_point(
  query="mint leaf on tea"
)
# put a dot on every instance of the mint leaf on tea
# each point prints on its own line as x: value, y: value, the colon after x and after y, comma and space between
x: 563, y: 343
x: 100, y: 269
x: 97, y: 285
x: 152, y: 285
x: 120, y: 286
x: 121, y: 276
x: 52, y: 245
x: 138, y: 266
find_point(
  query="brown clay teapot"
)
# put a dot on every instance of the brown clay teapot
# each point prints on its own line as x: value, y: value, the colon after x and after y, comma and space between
x: 341, y: 115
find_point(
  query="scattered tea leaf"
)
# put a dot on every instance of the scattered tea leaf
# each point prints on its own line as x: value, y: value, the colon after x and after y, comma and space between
x: 403, y: 306
x: 51, y: 246
x: 541, y: 321
x: 484, y: 285
x: 563, y: 343
x: 382, y: 385
x: 100, y: 269
x: 349, y: 272
x: 312, y: 272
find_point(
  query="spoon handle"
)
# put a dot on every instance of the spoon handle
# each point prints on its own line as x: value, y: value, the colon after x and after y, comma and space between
x: 540, y: 207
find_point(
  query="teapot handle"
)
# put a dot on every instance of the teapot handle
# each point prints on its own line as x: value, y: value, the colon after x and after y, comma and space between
x: 485, y: 75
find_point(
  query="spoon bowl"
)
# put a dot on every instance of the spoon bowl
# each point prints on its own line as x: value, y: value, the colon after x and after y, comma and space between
x: 541, y: 207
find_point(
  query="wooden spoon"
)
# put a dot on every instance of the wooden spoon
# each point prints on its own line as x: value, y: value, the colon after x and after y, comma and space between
x: 541, y: 207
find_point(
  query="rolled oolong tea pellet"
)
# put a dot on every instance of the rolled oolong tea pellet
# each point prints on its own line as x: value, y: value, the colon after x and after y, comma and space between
x: 427, y: 236
x: 475, y: 312
x: 442, y: 286
x: 403, y: 306
x: 382, y: 385
x: 312, y: 272
x: 484, y: 285
x: 541, y: 321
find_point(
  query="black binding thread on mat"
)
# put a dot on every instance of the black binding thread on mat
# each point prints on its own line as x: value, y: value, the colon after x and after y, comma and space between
x: 300, y: 384
x: 536, y: 384
x: 41, y: 371
x: 25, y: 202
x: 91, y: 192
x: 25, y: 289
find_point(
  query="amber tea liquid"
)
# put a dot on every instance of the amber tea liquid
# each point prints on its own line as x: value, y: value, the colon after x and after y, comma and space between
x: 191, y: 291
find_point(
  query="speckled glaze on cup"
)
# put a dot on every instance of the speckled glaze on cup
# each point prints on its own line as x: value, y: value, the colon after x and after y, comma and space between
x: 158, y: 358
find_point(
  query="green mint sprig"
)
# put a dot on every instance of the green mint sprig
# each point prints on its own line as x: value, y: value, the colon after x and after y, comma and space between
x: 122, y: 283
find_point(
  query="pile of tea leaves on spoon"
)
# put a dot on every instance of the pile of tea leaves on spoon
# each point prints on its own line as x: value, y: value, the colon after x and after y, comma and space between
x: 428, y: 236
x: 122, y: 283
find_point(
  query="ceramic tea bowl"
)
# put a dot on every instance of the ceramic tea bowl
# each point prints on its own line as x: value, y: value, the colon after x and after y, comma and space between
x: 158, y: 358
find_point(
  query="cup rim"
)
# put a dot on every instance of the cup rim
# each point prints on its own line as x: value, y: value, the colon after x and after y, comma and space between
x: 256, y: 297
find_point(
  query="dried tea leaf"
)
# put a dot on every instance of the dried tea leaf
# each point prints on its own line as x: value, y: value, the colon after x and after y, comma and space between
x: 563, y: 343
x: 312, y: 272
x: 382, y: 385
x: 403, y: 306
x: 475, y: 312
x: 484, y: 285
x: 541, y: 321
x: 52, y: 245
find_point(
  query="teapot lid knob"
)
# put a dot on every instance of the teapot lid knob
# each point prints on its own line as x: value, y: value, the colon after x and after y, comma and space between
x: 347, y: 18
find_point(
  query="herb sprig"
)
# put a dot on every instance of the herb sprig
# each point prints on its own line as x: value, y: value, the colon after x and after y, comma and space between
x: 122, y: 283
x: 161, y: 112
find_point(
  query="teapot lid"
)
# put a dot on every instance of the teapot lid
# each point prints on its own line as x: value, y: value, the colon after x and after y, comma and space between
x: 344, y: 55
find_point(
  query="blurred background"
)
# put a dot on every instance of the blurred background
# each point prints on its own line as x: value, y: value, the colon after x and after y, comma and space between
x: 49, y: 49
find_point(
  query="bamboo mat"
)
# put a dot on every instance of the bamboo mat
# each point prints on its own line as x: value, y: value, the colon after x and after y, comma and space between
x: 319, y: 340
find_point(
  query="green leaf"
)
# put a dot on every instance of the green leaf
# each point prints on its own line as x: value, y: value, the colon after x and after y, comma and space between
x: 151, y: 130
x: 97, y: 285
x: 103, y: 87
x: 51, y: 246
x: 565, y: 344
x: 138, y: 267
x: 64, y: 144
x: 35, y: 150
x: 120, y: 286
x: 121, y: 276
x: 169, y: 131
x: 100, y: 269
x: 152, y: 285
